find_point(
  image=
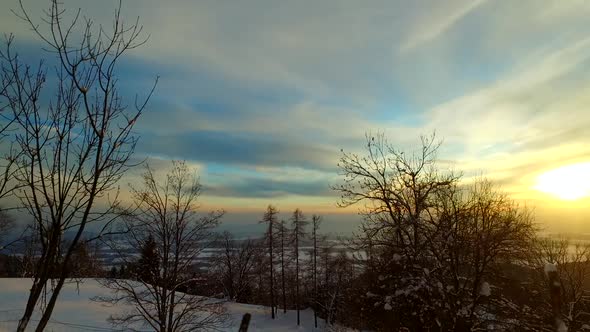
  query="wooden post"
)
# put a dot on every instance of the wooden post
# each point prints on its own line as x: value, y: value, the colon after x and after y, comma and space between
x: 245, y: 323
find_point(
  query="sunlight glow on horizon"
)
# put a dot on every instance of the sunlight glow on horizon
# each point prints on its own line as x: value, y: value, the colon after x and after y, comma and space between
x: 570, y: 182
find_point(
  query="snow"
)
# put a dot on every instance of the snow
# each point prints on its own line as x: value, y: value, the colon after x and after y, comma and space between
x: 485, y: 289
x: 76, y: 312
x: 550, y: 267
x: 561, y: 327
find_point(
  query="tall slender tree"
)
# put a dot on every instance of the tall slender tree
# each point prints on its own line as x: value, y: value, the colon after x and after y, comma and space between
x: 282, y: 236
x: 298, y: 224
x: 270, y: 218
x: 315, y: 220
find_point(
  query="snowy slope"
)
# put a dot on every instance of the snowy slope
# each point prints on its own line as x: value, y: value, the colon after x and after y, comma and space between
x: 76, y: 312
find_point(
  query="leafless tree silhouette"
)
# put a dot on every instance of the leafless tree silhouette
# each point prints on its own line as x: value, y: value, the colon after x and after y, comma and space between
x: 270, y: 218
x: 298, y: 224
x: 76, y: 145
x: 167, y: 212
x: 430, y: 241
x: 234, y: 266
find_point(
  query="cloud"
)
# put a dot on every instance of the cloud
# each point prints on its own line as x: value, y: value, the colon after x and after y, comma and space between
x: 440, y: 19
x: 528, y: 121
x: 305, y: 122
x: 519, y: 104
x: 262, y: 97
x: 237, y: 148
x: 269, y: 188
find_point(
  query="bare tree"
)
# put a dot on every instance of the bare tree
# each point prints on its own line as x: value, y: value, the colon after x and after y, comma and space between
x: 8, y: 78
x: 31, y: 248
x: 8, y: 115
x: 570, y: 264
x: 234, y: 267
x: 338, y: 276
x: 398, y: 188
x: 398, y: 192
x: 75, y: 146
x: 283, y: 232
x: 270, y: 218
x: 298, y: 224
x: 431, y: 242
x: 261, y: 273
x: 494, y: 229
x: 168, y: 212
x: 325, y: 253
x: 315, y: 220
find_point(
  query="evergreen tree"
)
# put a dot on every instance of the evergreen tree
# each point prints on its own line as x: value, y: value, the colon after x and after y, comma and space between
x: 81, y: 265
x: 148, y: 265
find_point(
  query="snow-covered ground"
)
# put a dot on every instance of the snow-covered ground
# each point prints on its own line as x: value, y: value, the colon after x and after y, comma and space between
x: 76, y: 312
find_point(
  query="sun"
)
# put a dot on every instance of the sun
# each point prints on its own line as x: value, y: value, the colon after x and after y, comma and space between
x: 570, y: 182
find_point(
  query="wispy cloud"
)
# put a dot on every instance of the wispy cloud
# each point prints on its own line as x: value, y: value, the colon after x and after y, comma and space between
x: 442, y: 16
x: 238, y: 149
x: 262, y: 97
x: 513, y: 103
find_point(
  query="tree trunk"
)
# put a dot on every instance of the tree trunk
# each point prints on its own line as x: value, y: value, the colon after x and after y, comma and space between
x: 297, y: 275
x: 272, y: 292
x: 65, y: 268
x: 171, y: 310
x: 315, y: 284
x: 283, y: 266
x: 50, y: 305
x: 34, y: 295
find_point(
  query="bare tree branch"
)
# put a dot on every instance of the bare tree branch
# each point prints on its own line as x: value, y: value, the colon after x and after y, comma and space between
x: 166, y: 212
x: 75, y: 146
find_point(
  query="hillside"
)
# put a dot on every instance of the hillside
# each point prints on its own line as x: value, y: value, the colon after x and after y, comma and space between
x: 76, y: 312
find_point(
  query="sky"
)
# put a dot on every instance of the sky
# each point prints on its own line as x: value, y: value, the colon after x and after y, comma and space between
x: 260, y: 96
